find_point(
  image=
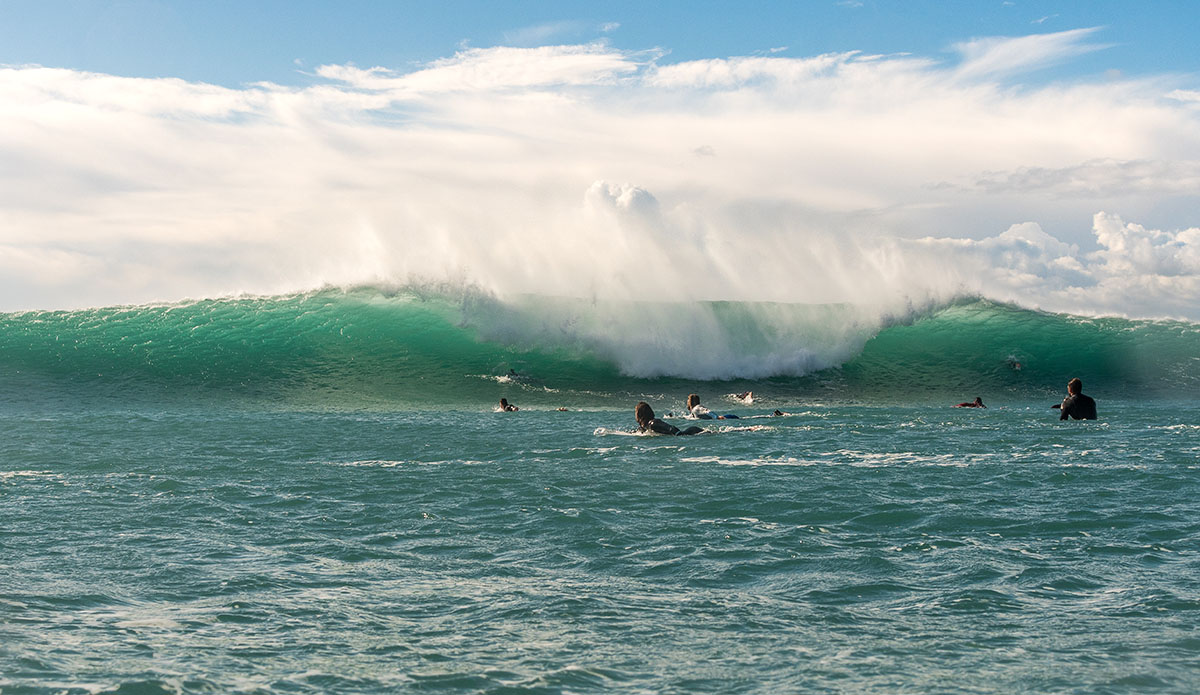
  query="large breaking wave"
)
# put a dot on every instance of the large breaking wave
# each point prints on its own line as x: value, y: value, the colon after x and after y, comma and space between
x: 455, y: 347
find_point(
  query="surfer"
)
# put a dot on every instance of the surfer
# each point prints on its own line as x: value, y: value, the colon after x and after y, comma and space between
x: 695, y: 411
x: 746, y: 397
x: 977, y: 403
x: 507, y: 407
x: 648, y: 423
x: 1076, y: 405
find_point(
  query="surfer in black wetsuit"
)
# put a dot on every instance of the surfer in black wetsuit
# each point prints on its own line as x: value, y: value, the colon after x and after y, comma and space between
x: 648, y: 423
x: 507, y: 407
x: 1076, y: 405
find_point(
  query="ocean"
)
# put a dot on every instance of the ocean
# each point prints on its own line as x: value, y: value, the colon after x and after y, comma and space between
x: 314, y: 493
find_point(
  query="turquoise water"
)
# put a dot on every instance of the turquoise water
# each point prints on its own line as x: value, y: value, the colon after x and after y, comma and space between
x: 267, y: 496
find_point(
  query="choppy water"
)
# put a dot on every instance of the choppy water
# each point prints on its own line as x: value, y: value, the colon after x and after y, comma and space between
x: 312, y: 494
x: 841, y: 548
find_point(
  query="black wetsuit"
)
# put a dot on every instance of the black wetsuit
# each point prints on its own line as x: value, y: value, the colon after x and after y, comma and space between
x: 1078, y: 406
x: 656, y: 425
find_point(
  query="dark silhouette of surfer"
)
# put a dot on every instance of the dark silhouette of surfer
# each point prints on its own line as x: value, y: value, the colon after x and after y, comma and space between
x: 977, y: 403
x: 1076, y: 405
x: 507, y: 407
x: 648, y: 423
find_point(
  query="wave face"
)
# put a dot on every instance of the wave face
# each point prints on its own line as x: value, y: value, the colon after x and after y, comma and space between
x: 455, y: 348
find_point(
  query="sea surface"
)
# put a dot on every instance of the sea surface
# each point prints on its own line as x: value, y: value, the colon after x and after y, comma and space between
x: 314, y: 494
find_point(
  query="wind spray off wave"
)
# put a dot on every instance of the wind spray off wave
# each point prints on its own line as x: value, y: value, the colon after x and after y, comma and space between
x: 589, y: 172
x: 388, y: 348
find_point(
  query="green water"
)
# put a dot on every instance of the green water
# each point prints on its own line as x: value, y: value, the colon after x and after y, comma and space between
x: 313, y: 494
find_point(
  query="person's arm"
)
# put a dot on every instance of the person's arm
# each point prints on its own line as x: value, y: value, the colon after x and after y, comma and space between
x: 1065, y: 409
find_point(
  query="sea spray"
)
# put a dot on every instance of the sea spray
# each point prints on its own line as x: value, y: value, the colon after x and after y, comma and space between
x: 691, y: 340
x: 431, y: 345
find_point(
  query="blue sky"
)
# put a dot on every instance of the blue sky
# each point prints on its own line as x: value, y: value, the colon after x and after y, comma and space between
x: 229, y: 42
x: 890, y: 153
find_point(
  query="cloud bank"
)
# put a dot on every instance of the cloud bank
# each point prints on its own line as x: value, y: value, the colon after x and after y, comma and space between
x: 585, y: 171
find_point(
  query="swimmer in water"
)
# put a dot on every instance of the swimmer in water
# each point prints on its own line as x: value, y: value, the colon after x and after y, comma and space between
x: 648, y: 423
x: 507, y: 407
x: 695, y: 411
x: 977, y: 403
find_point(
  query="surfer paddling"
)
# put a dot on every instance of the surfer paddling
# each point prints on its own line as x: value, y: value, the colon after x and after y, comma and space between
x: 648, y: 423
x: 506, y: 407
x: 977, y: 403
x: 695, y: 411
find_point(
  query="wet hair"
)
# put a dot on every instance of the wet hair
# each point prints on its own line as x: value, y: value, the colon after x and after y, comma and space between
x: 503, y: 402
x: 643, y: 413
x: 1075, y: 386
x: 693, y: 401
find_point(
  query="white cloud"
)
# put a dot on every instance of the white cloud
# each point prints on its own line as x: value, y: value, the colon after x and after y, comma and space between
x: 1098, y: 179
x: 738, y: 72
x: 1132, y: 249
x: 541, y: 33
x: 998, y: 56
x: 496, y: 68
x: 548, y: 32
x: 1185, y: 95
x: 1137, y: 271
x: 587, y: 171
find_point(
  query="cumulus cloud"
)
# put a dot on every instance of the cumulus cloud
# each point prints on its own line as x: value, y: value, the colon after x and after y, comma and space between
x: 1135, y: 272
x: 1131, y: 248
x: 583, y: 170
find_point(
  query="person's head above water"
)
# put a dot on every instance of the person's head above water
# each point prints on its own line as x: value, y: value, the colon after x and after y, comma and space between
x: 978, y: 401
x: 1074, y: 387
x: 693, y: 400
x: 643, y: 413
